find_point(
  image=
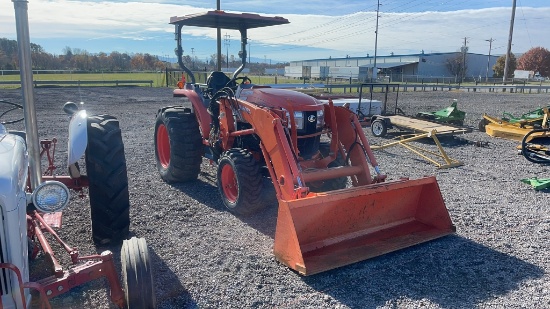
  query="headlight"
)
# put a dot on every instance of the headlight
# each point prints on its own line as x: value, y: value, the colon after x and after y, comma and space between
x: 320, y: 119
x: 50, y: 196
x: 298, y: 120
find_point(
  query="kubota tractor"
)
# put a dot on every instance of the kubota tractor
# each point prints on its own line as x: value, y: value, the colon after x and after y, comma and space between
x: 31, y: 202
x: 332, y: 211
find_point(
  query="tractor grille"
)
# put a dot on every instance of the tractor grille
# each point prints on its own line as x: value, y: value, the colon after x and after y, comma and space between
x: 309, y: 146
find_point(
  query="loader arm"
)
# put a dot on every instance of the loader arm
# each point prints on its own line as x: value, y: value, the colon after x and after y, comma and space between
x: 279, y: 157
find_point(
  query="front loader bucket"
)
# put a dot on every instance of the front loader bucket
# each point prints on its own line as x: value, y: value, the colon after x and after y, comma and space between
x: 337, y: 228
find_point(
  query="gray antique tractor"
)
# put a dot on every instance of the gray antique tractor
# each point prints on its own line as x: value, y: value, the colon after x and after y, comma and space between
x: 31, y: 202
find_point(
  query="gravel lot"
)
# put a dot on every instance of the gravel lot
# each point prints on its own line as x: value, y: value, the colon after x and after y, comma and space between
x: 206, y: 257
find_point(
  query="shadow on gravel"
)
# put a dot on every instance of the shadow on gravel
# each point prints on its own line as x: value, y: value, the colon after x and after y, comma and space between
x: 169, y: 291
x: 206, y: 193
x: 452, y: 272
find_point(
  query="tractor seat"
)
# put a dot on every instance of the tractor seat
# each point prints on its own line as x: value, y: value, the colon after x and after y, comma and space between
x: 218, y: 80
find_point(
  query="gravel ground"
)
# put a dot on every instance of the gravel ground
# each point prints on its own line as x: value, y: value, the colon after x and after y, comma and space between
x: 206, y: 257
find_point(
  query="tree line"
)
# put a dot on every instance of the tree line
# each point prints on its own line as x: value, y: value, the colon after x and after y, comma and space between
x: 77, y: 59
x: 82, y: 60
x: 536, y: 59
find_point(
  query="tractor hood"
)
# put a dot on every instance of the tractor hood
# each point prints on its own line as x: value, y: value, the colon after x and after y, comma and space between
x: 279, y: 98
x: 13, y: 169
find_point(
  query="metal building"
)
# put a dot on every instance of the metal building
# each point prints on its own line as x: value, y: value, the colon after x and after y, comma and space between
x: 398, y: 67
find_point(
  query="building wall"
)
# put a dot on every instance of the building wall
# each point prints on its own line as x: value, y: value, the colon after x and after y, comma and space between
x: 424, y: 65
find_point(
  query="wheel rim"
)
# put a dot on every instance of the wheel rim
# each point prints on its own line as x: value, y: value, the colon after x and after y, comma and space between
x: 229, y: 183
x: 377, y: 128
x: 163, y: 146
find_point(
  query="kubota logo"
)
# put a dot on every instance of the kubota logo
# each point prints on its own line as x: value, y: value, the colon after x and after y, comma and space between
x: 311, y: 118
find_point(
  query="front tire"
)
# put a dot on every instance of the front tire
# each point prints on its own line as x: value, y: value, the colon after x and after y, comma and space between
x: 108, y: 181
x: 178, y: 145
x: 137, y: 274
x: 240, y: 181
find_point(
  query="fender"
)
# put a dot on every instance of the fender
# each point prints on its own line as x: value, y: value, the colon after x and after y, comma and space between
x: 78, y: 136
x: 203, y: 117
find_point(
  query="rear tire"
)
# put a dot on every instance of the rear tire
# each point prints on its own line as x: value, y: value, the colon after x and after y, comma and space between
x: 240, y: 181
x: 379, y: 128
x: 137, y: 274
x: 108, y: 180
x: 178, y: 145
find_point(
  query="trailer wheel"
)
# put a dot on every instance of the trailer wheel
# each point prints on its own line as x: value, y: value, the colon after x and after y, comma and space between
x: 108, y: 180
x: 240, y: 181
x: 330, y: 184
x: 379, y: 128
x: 482, y: 123
x: 178, y: 144
x: 137, y: 274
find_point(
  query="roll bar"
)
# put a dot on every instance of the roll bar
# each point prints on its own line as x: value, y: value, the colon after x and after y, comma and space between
x: 223, y: 20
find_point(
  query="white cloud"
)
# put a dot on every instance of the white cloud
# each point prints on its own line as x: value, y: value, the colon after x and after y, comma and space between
x: 307, y: 36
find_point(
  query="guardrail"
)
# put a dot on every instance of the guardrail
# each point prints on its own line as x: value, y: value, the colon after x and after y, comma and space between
x: 42, y: 83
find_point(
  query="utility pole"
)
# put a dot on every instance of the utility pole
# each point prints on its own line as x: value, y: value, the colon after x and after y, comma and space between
x: 227, y: 42
x: 374, y: 68
x: 506, y: 63
x: 463, y: 68
x: 488, y: 59
x: 193, y: 59
x: 249, y: 48
x: 219, y: 39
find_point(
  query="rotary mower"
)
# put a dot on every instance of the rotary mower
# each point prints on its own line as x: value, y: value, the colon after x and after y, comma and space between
x: 332, y: 210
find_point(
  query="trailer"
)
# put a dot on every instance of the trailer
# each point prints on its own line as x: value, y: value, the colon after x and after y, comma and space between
x: 397, y: 119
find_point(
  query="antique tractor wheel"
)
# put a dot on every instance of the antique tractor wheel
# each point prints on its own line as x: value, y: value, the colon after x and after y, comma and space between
x: 137, y: 274
x: 107, y: 175
x: 240, y: 181
x: 178, y: 144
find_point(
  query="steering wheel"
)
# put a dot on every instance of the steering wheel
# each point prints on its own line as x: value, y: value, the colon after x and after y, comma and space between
x: 14, y: 106
x: 245, y: 80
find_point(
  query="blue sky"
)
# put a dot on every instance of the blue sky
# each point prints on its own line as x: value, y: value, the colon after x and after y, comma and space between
x: 317, y: 29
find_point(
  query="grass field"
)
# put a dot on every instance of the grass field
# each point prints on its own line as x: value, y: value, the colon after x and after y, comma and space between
x: 159, y: 79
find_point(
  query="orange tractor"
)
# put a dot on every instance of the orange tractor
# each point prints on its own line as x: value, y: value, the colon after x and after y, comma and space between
x: 332, y: 210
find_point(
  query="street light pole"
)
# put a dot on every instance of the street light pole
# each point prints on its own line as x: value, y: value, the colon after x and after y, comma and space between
x: 488, y: 59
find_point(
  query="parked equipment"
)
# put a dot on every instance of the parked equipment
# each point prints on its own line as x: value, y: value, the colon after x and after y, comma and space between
x: 31, y: 202
x: 310, y: 151
x: 447, y: 121
x: 431, y: 156
x: 539, y: 152
x: 450, y: 114
x: 516, y: 129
